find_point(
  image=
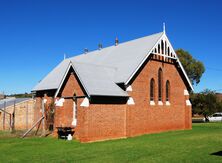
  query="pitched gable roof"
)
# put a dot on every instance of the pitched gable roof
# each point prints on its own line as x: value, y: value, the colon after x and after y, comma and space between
x: 54, y: 78
x: 98, y: 80
x: 101, y: 70
x: 125, y: 57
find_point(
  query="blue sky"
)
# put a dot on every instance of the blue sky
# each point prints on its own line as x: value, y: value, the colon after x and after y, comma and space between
x: 34, y: 35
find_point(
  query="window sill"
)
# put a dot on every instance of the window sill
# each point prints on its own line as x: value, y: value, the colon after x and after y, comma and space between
x: 152, y: 103
x: 167, y: 103
x: 160, y: 103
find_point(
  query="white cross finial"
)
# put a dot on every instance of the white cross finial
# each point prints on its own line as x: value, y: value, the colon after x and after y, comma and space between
x: 164, y: 28
x: 64, y: 56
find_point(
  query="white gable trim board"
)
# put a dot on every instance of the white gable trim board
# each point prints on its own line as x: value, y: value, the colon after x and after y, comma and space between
x: 138, y: 67
x: 63, y: 79
x: 164, y: 38
x: 184, y: 72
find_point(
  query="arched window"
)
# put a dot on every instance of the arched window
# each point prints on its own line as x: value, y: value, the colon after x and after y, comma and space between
x: 160, y: 79
x: 167, y: 90
x: 152, y: 89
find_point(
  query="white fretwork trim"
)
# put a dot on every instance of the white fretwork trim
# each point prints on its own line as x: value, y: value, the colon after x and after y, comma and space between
x: 152, y: 103
x: 166, y: 54
x: 186, y: 93
x: 167, y: 51
x: 59, y: 102
x: 130, y: 101
x: 129, y: 88
x: 160, y: 103
x: 85, y: 102
x: 167, y: 103
x: 188, y: 103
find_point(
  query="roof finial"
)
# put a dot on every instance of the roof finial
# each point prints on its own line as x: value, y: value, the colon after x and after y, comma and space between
x: 64, y: 56
x: 116, y: 41
x: 164, y: 28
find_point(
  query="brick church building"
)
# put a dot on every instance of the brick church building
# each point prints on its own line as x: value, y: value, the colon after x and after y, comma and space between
x: 128, y: 89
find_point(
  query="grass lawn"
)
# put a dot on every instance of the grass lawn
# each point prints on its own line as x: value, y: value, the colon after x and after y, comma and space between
x: 196, y: 145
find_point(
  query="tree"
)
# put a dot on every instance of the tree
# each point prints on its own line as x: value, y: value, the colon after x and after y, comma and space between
x: 193, y: 67
x: 206, y: 103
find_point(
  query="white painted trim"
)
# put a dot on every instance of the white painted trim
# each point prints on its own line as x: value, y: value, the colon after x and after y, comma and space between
x: 63, y: 79
x: 163, y: 36
x: 160, y: 103
x: 152, y: 103
x: 164, y: 55
x: 144, y: 59
x: 167, y: 103
x: 74, y: 122
x: 191, y: 86
x: 130, y: 101
x: 185, y: 92
x: 85, y: 102
x: 80, y: 80
x: 188, y: 103
x: 129, y: 88
x: 59, y: 102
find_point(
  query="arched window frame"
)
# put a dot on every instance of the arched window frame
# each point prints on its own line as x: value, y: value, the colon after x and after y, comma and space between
x: 160, y: 84
x: 152, y: 89
x: 168, y: 90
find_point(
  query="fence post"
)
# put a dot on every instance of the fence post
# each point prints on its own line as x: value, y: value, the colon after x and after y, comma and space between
x: 43, y: 115
x: 13, y: 118
x: 27, y: 118
x: 4, y: 116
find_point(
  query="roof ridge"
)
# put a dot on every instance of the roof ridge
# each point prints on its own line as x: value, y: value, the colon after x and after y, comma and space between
x: 90, y: 52
x: 98, y: 65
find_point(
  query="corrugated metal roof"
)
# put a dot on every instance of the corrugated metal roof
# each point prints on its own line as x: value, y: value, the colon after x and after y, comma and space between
x: 100, y: 70
x: 10, y: 101
x: 53, y: 79
x: 125, y: 57
x: 98, y: 80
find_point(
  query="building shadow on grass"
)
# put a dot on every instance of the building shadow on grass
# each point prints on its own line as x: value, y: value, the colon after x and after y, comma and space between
x: 219, y: 153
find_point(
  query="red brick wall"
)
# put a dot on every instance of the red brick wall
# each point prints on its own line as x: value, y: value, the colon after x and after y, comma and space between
x: 144, y: 118
x: 64, y: 114
x: 105, y: 121
x: 108, y: 121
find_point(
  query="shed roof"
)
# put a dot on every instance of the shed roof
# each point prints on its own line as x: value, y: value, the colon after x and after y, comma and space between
x: 11, y: 101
